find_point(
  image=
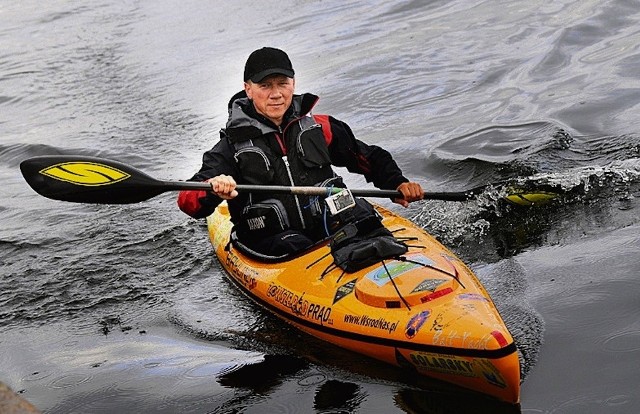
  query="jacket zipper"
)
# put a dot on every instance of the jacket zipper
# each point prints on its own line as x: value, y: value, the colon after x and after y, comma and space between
x: 281, y: 140
x: 295, y: 197
x: 299, y: 138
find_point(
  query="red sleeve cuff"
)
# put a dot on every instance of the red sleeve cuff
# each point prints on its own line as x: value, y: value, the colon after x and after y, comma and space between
x: 189, y: 202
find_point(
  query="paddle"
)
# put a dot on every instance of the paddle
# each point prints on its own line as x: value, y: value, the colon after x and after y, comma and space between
x: 83, y: 179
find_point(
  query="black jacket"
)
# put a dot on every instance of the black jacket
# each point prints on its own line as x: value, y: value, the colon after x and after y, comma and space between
x: 375, y: 163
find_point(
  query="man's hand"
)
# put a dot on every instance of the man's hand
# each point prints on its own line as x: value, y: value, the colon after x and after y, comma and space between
x: 224, y: 186
x: 411, y: 192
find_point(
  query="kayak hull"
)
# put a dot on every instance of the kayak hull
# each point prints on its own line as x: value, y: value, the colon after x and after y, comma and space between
x: 426, y: 313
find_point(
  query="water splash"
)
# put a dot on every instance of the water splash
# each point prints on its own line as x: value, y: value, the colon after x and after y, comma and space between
x: 461, y: 225
x: 589, y: 182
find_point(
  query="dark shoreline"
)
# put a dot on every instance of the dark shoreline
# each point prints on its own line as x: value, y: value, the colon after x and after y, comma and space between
x: 12, y: 403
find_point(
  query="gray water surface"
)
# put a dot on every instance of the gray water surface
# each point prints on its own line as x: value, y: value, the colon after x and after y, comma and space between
x: 124, y: 309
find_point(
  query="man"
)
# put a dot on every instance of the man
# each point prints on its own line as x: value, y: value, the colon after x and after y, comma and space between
x: 271, y: 138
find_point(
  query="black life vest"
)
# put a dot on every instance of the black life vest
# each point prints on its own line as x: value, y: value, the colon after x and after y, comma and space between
x: 298, y: 155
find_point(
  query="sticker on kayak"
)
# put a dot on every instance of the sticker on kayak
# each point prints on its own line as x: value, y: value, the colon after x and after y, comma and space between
x: 344, y: 290
x: 415, y: 323
x: 381, y: 276
x: 428, y: 285
x: 85, y: 173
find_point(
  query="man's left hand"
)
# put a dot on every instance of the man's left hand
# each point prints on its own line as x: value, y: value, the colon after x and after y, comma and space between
x: 411, y: 192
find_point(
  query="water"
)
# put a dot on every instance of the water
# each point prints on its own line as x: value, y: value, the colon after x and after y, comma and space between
x: 124, y: 309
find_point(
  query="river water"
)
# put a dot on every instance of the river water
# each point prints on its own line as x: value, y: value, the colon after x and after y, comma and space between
x: 124, y: 308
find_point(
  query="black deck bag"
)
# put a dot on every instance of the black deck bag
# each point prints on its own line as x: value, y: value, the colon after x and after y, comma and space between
x: 364, y: 243
x: 263, y: 219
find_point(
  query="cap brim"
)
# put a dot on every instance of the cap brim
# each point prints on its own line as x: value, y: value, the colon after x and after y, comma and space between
x: 274, y: 71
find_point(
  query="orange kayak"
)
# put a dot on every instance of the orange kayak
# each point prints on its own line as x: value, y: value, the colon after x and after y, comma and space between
x: 427, y: 313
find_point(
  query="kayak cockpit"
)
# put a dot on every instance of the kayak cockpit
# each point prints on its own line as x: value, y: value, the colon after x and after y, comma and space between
x: 265, y: 258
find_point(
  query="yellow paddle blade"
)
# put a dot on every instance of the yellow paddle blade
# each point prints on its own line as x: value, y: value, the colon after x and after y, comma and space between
x: 85, y: 173
x: 530, y: 198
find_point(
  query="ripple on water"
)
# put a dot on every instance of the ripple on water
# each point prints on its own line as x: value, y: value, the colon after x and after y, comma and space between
x: 70, y: 380
x: 312, y: 379
x: 593, y: 404
x: 37, y: 376
x: 104, y: 398
x: 624, y: 342
x: 205, y: 369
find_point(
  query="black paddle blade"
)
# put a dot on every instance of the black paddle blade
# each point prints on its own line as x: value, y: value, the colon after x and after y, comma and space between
x: 82, y: 179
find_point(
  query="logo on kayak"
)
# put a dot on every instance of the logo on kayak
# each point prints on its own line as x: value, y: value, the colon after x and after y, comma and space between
x: 85, y: 173
x: 381, y: 275
x: 344, y: 290
x: 461, y: 366
x: 428, y: 284
x: 415, y: 323
x: 242, y: 272
x: 435, y: 295
x: 377, y: 323
x: 446, y: 364
x: 300, y: 306
x: 491, y: 373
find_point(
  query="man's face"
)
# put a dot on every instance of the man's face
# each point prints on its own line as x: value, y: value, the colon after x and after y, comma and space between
x: 271, y: 96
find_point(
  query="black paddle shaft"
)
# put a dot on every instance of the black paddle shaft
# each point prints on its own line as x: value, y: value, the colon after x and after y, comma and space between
x: 84, y: 179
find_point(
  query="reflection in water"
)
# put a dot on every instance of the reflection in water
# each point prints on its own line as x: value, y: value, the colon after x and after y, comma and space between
x: 337, y: 395
x: 290, y: 382
x: 264, y: 376
x: 427, y: 402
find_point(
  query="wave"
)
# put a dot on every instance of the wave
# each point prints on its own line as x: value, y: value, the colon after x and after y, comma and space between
x: 12, y: 155
x: 502, y: 152
x: 591, y: 196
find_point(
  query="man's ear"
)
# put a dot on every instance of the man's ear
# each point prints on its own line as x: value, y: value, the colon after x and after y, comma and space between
x: 247, y: 90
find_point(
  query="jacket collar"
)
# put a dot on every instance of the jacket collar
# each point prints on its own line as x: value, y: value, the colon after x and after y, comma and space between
x: 245, y: 123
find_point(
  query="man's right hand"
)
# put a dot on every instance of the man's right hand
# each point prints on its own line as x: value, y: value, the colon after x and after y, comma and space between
x: 224, y: 186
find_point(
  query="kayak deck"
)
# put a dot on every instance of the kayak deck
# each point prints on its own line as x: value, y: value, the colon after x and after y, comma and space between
x: 426, y: 312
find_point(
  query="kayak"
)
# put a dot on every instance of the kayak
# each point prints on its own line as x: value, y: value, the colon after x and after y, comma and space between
x: 424, y: 311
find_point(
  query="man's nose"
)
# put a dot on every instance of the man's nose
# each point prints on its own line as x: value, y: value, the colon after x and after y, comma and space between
x: 275, y: 93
